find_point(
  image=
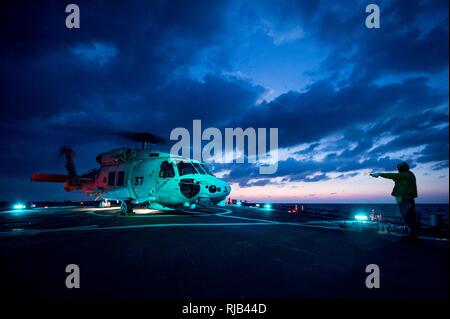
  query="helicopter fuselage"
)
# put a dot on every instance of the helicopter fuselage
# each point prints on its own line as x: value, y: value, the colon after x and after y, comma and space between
x: 154, y: 178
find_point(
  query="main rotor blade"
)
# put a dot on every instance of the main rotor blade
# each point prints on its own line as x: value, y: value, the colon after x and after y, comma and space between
x: 142, y: 137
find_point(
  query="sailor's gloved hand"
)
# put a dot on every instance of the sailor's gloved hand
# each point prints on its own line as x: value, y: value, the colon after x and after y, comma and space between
x: 375, y: 174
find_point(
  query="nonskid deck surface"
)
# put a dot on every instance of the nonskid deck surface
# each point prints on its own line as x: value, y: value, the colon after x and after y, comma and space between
x: 73, y: 218
x: 225, y: 251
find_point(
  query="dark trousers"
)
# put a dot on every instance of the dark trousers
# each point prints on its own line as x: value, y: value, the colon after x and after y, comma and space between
x: 408, y: 210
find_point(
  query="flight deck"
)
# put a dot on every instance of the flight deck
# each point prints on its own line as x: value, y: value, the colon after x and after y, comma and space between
x: 221, y: 252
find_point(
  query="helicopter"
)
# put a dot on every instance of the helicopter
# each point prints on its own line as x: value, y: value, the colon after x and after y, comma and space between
x: 132, y: 176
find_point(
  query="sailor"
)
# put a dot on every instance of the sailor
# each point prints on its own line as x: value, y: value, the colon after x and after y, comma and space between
x: 405, y: 190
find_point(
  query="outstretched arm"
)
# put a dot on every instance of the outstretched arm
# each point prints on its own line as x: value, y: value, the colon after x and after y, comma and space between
x: 394, y: 176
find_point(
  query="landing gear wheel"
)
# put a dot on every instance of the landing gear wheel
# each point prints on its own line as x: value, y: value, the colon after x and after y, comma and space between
x: 126, y: 207
x: 104, y: 204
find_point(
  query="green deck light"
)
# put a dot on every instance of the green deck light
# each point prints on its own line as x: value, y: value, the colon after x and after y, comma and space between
x: 19, y: 206
x: 361, y: 217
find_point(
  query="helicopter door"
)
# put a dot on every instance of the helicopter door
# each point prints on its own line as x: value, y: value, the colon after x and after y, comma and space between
x: 107, y: 179
x: 142, y: 181
x: 166, y: 171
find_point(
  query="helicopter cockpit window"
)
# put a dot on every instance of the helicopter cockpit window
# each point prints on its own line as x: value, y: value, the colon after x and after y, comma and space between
x: 166, y: 170
x: 199, y: 168
x: 186, y: 168
x: 206, y: 169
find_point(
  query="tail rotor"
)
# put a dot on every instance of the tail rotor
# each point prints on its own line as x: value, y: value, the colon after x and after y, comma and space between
x: 69, y: 154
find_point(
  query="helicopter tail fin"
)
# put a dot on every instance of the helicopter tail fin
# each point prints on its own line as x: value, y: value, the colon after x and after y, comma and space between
x: 71, y: 181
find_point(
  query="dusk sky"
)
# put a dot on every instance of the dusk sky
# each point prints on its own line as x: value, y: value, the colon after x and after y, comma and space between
x: 347, y: 100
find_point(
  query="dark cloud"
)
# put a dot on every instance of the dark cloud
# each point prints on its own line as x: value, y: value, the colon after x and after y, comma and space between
x: 128, y: 68
x: 415, y: 122
x: 323, y: 110
x: 55, y: 91
x: 436, y: 136
x: 310, y: 170
x: 435, y: 152
x: 412, y: 38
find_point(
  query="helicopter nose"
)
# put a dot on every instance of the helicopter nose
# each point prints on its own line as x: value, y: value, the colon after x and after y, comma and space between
x: 219, y: 188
